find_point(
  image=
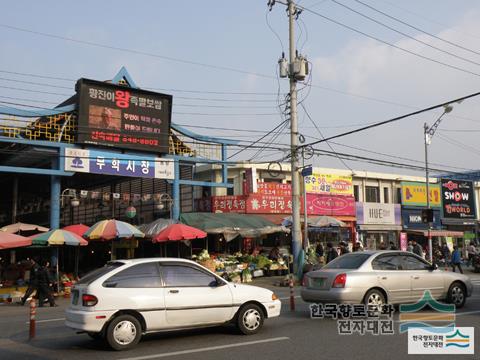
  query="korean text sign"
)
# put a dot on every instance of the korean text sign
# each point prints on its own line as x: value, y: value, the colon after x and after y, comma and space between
x: 329, y: 184
x: 414, y: 194
x: 458, y: 199
x: 109, y: 163
x: 123, y: 117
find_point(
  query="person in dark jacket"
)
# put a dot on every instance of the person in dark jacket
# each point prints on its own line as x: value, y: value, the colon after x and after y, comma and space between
x: 392, y: 246
x: 44, y: 286
x: 33, y: 281
x: 331, y: 253
x: 417, y: 248
x: 343, y: 248
x: 319, y: 249
x: 456, y: 259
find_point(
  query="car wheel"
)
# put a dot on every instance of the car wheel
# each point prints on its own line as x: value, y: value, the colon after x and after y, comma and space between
x: 457, y: 295
x: 250, y: 319
x: 123, y: 332
x: 95, y: 335
x: 374, y: 297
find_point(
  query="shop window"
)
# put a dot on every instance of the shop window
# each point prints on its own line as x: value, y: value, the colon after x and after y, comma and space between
x: 355, y: 192
x: 230, y: 191
x: 386, y: 199
x: 372, y: 194
x: 399, y: 196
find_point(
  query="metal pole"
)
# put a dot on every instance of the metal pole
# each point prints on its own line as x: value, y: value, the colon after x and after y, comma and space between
x: 427, y: 181
x: 296, y: 228
x: 33, y: 312
x: 305, y: 211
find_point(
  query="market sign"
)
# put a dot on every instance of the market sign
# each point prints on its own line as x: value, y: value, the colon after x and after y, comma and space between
x: 110, y: 163
x: 414, y: 194
x: 318, y: 204
x: 378, y: 214
x: 228, y: 204
x: 458, y: 199
x: 123, y: 117
x: 412, y: 219
x: 269, y: 204
x: 329, y: 184
x: 273, y: 188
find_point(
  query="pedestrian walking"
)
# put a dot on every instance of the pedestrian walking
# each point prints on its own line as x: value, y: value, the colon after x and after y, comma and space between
x: 331, y: 252
x: 45, y: 285
x: 343, y: 248
x: 410, y: 247
x: 357, y: 247
x: 417, y: 248
x: 319, y: 249
x: 33, y: 281
x: 471, y: 252
x: 456, y: 259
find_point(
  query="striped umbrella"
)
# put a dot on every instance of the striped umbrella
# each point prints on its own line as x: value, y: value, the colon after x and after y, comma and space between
x: 11, y: 241
x: 58, y: 237
x: 112, y: 229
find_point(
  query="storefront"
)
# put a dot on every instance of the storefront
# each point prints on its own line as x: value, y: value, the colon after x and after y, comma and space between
x: 378, y: 225
x: 415, y: 229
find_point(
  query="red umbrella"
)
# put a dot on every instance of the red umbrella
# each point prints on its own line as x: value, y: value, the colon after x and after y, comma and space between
x: 10, y: 241
x: 78, y: 229
x: 177, y: 232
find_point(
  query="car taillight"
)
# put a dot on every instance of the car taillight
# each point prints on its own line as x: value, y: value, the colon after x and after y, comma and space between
x: 89, y: 300
x: 340, y: 281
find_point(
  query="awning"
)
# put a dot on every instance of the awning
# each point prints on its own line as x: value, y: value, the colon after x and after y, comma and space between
x: 231, y: 224
x: 277, y: 219
x: 434, y: 233
x: 460, y: 222
x: 380, y: 227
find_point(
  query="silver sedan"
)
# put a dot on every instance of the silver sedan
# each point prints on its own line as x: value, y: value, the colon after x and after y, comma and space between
x: 379, y: 277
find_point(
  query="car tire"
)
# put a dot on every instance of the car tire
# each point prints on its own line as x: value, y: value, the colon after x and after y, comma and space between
x: 457, y: 295
x: 374, y: 297
x: 250, y: 319
x: 95, y: 335
x: 123, y: 332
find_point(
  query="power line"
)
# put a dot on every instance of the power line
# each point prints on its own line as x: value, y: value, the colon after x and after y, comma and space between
x: 417, y: 28
x: 394, y: 119
x: 405, y: 34
x: 388, y: 43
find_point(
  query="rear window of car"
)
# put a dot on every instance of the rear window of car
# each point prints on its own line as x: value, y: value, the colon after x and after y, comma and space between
x: 97, y: 273
x: 349, y: 261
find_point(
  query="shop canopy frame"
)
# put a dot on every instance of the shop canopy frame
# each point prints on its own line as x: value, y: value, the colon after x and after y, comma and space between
x: 438, y: 233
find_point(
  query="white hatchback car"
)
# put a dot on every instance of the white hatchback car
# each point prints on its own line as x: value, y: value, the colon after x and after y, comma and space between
x: 128, y: 298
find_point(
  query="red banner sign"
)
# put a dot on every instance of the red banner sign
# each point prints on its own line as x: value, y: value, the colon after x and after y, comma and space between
x: 269, y: 204
x: 276, y: 189
x: 330, y: 205
x: 231, y: 203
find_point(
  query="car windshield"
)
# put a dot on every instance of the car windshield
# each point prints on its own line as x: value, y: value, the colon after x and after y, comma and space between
x: 97, y: 273
x: 349, y: 261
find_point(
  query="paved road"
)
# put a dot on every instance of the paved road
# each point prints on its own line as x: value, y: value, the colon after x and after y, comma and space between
x: 291, y: 336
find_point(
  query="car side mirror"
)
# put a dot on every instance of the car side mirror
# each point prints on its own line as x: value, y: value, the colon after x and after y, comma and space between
x: 433, y: 267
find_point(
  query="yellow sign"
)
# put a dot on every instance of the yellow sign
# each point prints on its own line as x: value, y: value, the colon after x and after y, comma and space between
x: 413, y: 194
x: 329, y: 184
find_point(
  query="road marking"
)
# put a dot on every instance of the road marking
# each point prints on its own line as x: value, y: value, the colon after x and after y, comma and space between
x: 467, y: 312
x: 210, y: 348
x: 48, y: 320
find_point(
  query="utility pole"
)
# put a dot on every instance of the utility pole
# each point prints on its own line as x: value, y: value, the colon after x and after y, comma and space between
x: 296, y: 227
x: 296, y: 70
x: 427, y: 184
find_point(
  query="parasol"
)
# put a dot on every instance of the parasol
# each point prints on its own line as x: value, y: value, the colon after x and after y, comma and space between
x: 11, y: 241
x: 177, y: 232
x: 78, y: 229
x: 58, y: 237
x: 17, y: 227
x: 112, y: 229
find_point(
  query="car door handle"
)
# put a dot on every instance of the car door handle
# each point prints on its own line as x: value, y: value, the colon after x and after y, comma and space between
x: 173, y: 291
x: 383, y: 278
x: 416, y: 277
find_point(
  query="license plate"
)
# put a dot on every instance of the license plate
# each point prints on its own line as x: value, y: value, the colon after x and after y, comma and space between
x: 318, y: 282
x: 75, y: 297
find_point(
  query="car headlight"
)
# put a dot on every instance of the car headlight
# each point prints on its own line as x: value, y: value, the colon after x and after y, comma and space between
x: 274, y: 297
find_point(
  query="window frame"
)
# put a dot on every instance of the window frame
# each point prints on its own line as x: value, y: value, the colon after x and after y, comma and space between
x: 219, y: 281
x: 393, y: 255
x: 368, y: 190
x: 155, y: 263
x: 420, y: 260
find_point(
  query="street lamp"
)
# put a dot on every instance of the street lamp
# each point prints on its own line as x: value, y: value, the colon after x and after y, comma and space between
x: 165, y: 198
x: 428, y: 133
x: 72, y: 194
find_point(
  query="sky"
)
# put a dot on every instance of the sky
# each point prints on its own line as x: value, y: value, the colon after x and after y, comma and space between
x: 219, y: 61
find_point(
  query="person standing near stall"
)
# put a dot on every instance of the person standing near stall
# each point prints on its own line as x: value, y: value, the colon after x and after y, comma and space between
x: 331, y: 252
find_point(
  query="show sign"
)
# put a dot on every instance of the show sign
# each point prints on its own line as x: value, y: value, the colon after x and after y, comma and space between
x: 329, y: 184
x: 123, y: 117
x: 110, y: 163
x: 458, y: 199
